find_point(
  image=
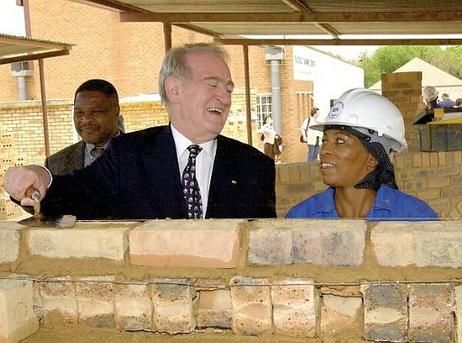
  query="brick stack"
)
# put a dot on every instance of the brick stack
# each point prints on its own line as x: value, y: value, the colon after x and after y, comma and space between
x: 405, y: 90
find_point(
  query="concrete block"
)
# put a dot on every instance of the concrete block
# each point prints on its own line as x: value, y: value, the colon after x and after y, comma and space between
x: 183, y: 243
x: 17, y: 319
x: 339, y: 314
x: 104, y: 240
x: 251, y: 300
x: 385, y: 312
x: 132, y: 307
x: 173, y: 306
x: 9, y: 241
x: 426, y: 244
x: 294, y: 307
x: 431, y: 313
x: 59, y: 301
x: 95, y: 300
x: 215, y: 309
x: 271, y: 243
x: 336, y: 243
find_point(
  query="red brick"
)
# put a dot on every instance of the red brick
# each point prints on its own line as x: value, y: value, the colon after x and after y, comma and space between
x: 184, y: 243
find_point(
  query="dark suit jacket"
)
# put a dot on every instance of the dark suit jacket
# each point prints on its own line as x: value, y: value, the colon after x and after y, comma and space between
x: 138, y: 177
x: 67, y: 159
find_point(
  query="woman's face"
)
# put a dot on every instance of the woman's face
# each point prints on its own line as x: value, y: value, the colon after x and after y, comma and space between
x: 344, y: 160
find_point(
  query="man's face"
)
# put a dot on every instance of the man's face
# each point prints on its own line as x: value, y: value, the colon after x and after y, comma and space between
x: 200, y: 106
x: 95, y: 116
x: 344, y: 160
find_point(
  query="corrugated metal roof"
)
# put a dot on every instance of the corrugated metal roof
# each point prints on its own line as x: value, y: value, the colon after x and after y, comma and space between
x: 17, y: 48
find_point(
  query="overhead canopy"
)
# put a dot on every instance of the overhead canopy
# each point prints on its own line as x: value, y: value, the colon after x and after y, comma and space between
x: 336, y: 20
x: 17, y: 49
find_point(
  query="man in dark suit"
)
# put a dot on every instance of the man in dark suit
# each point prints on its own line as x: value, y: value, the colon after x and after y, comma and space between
x: 183, y: 170
x: 96, y: 118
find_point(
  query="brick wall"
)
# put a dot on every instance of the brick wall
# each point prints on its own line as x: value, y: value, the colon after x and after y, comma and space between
x: 405, y: 90
x: 130, y: 54
x: 434, y: 177
x: 391, y: 281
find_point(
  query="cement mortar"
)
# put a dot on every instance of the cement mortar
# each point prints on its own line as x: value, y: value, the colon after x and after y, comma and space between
x: 368, y: 271
x: 83, y: 334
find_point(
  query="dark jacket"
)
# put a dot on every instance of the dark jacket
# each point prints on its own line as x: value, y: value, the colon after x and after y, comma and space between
x: 138, y: 177
x: 67, y: 159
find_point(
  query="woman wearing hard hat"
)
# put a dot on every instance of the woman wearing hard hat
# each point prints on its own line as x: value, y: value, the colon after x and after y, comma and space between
x: 361, y: 132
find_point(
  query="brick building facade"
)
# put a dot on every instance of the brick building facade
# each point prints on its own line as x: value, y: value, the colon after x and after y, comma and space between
x: 130, y: 54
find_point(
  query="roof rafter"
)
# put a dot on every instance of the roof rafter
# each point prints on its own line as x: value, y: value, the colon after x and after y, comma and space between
x: 245, y: 41
x: 319, y: 17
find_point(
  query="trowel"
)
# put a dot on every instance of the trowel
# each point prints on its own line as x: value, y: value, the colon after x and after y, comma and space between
x: 39, y: 220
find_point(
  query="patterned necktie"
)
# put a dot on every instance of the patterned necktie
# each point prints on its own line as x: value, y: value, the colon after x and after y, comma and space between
x: 191, y: 192
x: 96, y: 152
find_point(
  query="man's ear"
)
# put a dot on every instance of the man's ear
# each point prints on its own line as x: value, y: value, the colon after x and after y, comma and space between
x: 172, y: 87
x: 372, y: 163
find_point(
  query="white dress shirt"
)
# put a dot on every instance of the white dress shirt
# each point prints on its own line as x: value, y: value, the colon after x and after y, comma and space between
x: 204, y: 163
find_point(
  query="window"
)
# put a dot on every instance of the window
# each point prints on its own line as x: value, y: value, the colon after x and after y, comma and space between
x: 304, y: 105
x: 264, y: 108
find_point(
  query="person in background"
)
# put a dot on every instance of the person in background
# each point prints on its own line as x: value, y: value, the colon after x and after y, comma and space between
x: 458, y: 103
x: 96, y: 119
x: 184, y: 170
x: 430, y: 95
x: 447, y: 102
x: 271, y: 139
x: 310, y: 136
x: 361, y: 132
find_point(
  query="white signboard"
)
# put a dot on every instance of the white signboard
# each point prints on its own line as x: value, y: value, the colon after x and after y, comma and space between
x: 304, y: 63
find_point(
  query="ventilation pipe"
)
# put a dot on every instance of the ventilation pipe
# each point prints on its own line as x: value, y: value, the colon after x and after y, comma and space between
x: 275, y: 55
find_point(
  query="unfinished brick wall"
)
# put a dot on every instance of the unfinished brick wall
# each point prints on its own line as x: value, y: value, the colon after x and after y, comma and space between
x: 405, y: 90
x: 435, y: 177
x: 391, y: 281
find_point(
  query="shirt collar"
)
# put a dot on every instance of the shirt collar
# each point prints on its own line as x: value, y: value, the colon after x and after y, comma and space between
x: 89, y: 146
x: 384, y: 198
x: 182, y: 143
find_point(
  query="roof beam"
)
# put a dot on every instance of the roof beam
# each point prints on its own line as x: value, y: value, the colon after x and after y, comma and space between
x: 112, y: 4
x: 297, y: 5
x: 300, y: 6
x: 198, y: 29
x: 245, y: 41
x: 318, y: 17
x: 37, y: 56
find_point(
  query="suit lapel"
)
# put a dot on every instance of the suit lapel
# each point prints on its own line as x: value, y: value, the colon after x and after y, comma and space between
x: 220, y: 202
x: 76, y: 159
x: 162, y: 168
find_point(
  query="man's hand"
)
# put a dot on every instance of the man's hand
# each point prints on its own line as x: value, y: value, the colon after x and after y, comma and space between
x: 22, y: 182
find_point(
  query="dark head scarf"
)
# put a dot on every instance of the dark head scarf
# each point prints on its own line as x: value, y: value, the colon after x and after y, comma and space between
x: 384, y: 172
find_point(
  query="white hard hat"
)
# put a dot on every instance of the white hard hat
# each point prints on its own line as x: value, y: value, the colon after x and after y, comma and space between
x: 362, y: 108
x: 430, y: 93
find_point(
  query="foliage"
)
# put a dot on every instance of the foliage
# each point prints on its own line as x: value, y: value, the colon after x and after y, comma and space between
x: 387, y: 59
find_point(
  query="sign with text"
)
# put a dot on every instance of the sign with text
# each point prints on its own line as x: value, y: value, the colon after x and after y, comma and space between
x: 304, y: 63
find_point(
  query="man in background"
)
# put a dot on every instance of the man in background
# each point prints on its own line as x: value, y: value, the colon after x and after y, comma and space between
x: 311, y: 137
x: 96, y: 120
x: 447, y: 102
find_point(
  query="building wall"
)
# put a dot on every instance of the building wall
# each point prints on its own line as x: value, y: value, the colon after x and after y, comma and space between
x: 130, y: 54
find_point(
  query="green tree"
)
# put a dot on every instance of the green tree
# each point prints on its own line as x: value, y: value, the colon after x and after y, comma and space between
x: 387, y: 59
